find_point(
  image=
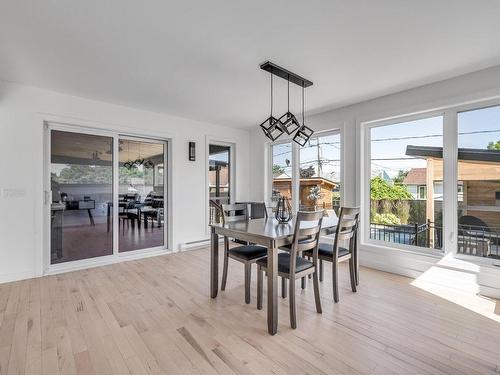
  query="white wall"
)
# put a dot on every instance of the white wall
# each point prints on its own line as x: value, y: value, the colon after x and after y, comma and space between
x: 22, y: 111
x: 478, y: 86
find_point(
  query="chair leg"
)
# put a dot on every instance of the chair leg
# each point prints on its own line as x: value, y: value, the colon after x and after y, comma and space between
x: 291, y: 302
x: 283, y: 287
x: 309, y: 258
x: 356, y: 266
x: 335, y: 280
x: 317, y: 298
x: 248, y: 276
x: 321, y: 270
x: 352, y: 273
x: 224, y: 271
x: 260, y: 287
x: 303, y: 282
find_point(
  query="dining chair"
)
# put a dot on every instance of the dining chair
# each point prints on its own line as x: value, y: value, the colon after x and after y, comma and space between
x: 346, y: 231
x: 258, y: 210
x: 246, y: 254
x: 291, y: 266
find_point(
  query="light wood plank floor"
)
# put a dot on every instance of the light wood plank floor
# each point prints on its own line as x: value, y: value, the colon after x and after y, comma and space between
x: 154, y: 316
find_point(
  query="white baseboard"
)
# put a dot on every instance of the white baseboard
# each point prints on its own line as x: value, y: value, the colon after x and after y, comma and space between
x: 17, y: 276
x: 103, y: 261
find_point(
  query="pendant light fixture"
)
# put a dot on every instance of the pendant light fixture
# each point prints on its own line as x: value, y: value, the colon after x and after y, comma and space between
x: 288, y: 121
x: 304, y: 133
x: 271, y: 126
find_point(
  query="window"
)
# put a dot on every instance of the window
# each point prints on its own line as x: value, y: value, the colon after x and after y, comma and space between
x: 479, y: 182
x: 406, y: 168
x: 282, y: 171
x: 422, y: 192
x: 320, y: 173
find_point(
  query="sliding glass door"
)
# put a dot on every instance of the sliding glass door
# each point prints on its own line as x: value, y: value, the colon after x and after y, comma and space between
x: 141, y: 213
x: 107, y: 194
x: 81, y: 179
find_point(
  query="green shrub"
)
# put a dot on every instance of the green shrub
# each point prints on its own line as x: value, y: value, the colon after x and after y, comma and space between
x: 387, y: 219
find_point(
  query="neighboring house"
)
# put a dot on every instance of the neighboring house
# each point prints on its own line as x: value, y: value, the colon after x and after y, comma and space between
x: 478, y: 186
x: 416, y: 183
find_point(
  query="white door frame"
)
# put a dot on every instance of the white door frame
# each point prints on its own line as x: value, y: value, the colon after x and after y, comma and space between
x: 116, y: 256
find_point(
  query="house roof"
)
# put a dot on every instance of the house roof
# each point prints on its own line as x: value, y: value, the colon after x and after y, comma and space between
x: 475, y: 154
x: 416, y: 176
x: 308, y: 180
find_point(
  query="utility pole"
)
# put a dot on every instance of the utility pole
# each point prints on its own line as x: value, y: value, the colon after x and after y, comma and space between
x: 320, y: 166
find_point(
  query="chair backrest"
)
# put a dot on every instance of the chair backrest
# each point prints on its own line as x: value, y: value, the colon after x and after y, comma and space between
x: 258, y: 210
x: 157, y: 203
x: 234, y: 212
x: 306, y: 235
x: 347, y: 227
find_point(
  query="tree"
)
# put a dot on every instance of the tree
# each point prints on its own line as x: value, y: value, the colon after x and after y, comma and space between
x: 278, y: 169
x: 307, y: 172
x: 494, y: 145
x: 398, y: 180
x: 380, y: 189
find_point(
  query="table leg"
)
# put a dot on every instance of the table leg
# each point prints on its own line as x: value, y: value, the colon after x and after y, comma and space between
x: 272, y: 288
x: 91, y: 218
x: 214, y: 263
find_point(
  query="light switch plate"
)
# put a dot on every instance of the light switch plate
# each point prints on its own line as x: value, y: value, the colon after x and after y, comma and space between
x: 12, y: 193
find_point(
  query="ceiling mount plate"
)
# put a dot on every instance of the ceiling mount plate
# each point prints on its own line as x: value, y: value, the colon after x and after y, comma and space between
x: 285, y: 74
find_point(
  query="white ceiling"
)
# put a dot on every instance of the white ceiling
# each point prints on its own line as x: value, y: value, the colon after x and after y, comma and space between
x: 199, y: 59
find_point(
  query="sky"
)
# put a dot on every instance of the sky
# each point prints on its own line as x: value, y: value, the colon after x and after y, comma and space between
x: 476, y: 129
x: 329, y: 151
x: 388, y: 143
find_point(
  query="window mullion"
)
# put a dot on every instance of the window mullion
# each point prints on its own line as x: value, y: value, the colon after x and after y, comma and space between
x: 450, y: 181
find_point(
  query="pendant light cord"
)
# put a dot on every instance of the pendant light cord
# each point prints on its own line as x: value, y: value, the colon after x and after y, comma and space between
x: 288, y: 93
x: 303, y: 122
x: 271, y: 94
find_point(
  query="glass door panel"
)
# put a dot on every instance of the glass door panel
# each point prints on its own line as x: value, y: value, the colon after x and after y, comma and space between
x: 219, y: 179
x: 81, y: 175
x: 141, y: 211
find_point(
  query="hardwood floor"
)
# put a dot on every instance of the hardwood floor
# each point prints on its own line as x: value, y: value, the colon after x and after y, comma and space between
x: 154, y: 316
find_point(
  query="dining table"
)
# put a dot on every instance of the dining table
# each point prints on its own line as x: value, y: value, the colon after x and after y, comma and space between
x: 268, y: 233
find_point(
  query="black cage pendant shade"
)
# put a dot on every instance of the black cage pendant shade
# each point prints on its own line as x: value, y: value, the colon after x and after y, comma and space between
x: 304, y: 132
x: 288, y: 121
x: 272, y: 126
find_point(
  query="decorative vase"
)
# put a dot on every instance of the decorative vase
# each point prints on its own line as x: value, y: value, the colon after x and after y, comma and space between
x: 283, y: 210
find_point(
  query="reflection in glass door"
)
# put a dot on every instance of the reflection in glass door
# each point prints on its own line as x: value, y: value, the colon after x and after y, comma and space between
x: 81, y: 177
x: 219, y: 179
x: 219, y: 173
x: 141, y: 211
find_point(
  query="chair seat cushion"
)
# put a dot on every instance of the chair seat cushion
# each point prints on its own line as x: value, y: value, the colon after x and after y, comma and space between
x: 248, y: 252
x: 284, y: 263
x: 326, y: 250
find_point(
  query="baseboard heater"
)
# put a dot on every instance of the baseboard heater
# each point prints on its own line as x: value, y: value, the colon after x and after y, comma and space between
x: 197, y: 244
